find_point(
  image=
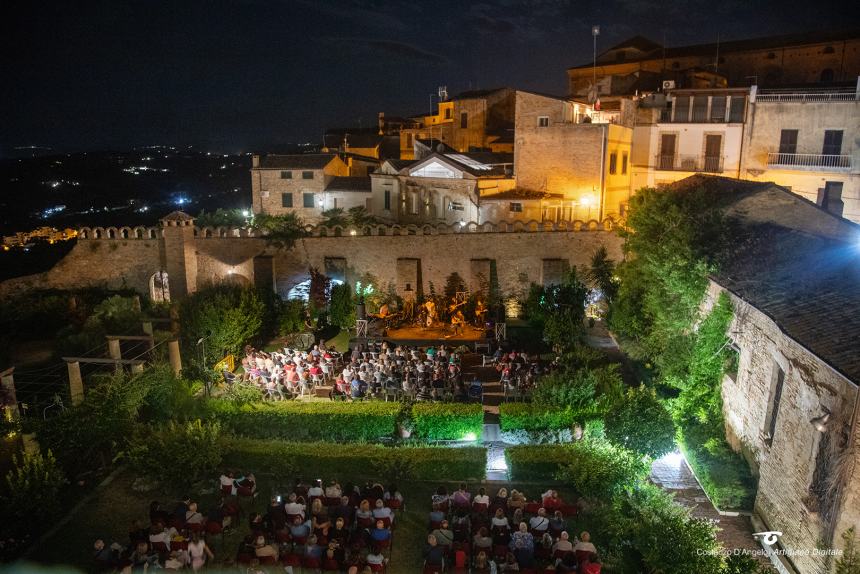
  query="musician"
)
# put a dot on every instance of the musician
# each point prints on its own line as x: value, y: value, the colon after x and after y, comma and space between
x: 430, y: 307
x: 480, y: 313
x: 384, y: 311
x: 457, y: 321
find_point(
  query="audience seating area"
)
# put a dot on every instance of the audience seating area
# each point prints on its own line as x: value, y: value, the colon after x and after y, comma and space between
x: 478, y: 533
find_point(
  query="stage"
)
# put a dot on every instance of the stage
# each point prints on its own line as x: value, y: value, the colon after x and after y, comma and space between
x: 419, y: 336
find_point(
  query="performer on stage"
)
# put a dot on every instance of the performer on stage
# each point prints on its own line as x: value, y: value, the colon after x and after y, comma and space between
x: 430, y: 306
x: 457, y: 321
x: 480, y: 313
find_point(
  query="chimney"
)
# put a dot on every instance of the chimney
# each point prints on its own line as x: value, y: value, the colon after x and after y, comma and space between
x: 381, y: 121
x: 255, y: 160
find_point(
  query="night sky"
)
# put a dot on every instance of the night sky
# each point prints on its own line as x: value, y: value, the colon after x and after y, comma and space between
x: 241, y: 75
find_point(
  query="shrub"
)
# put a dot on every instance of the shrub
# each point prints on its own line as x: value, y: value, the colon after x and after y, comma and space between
x: 599, y: 469
x: 536, y: 462
x: 345, y: 422
x: 291, y: 316
x: 533, y: 417
x: 640, y: 422
x: 723, y: 474
x: 325, y: 459
x: 585, y: 390
x: 448, y: 421
x: 228, y: 316
x: 849, y: 562
x: 551, y: 436
x: 666, y: 535
x: 32, y: 493
x: 176, y: 453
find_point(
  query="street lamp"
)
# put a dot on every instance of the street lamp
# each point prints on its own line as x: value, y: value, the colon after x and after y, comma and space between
x: 201, y: 342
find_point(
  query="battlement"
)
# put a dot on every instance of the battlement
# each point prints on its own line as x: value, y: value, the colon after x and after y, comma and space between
x: 150, y: 233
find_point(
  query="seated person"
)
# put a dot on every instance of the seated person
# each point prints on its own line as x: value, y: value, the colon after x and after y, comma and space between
x: 437, y: 515
x: 482, y: 540
x: 584, y: 543
x: 434, y: 554
x: 104, y: 557
x: 375, y: 557
x: 500, y: 521
x: 192, y: 516
x: 276, y: 517
x: 344, y: 510
x: 461, y: 496
x: 379, y: 533
x: 563, y: 543
x: 262, y: 550
x: 293, y: 507
x: 312, y: 548
x: 501, y: 498
x: 299, y: 528
x: 392, y: 494
x: 444, y: 535
x: 357, y: 388
x: 382, y: 511
x: 316, y: 490
x: 539, y: 523
x: 481, y: 497
x: 551, y: 500
x: 339, y: 533
x: 333, y: 490
x: 517, y: 500
x: 510, y: 564
x: 364, y: 512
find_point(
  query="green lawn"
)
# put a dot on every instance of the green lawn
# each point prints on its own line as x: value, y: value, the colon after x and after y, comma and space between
x: 112, y: 510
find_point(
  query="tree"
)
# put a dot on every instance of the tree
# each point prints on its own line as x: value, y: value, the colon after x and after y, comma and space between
x: 228, y: 316
x: 334, y: 217
x: 849, y: 562
x: 359, y: 216
x: 222, y: 218
x: 453, y: 285
x: 195, y: 443
x: 341, y: 309
x: 33, y: 491
x: 281, y: 231
x: 640, y: 422
x: 602, y: 273
x: 563, y: 308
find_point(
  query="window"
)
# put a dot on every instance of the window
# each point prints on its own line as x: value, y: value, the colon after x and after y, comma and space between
x: 624, y: 163
x: 517, y: 207
x: 456, y: 206
x: 286, y: 175
x: 830, y: 197
x: 667, y: 151
x: 307, y: 175
x: 286, y: 200
x: 543, y: 121
x: 408, y: 140
x: 464, y: 120
x: 700, y: 108
x: 773, y: 408
x: 718, y: 108
x: 737, y: 109
x: 682, y: 108
x: 613, y: 163
x: 788, y: 141
x: 448, y: 112
x: 387, y: 199
x: 308, y: 199
x: 820, y: 493
x: 832, y: 142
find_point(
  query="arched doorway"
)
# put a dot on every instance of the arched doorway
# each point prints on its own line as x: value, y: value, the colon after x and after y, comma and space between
x: 159, y: 288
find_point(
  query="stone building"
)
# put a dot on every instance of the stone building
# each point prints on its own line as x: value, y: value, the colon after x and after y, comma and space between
x: 809, y: 141
x: 471, y: 121
x: 442, y: 186
x: 682, y: 132
x: 792, y: 408
x: 567, y: 148
x: 640, y: 65
x: 309, y: 184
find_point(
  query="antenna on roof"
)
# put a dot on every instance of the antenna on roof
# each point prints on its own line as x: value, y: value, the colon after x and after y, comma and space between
x: 443, y: 93
x: 717, y: 57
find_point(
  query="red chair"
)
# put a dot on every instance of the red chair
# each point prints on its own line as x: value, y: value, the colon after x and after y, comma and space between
x: 560, y: 554
x: 582, y: 556
x: 432, y: 569
x: 197, y: 527
x: 377, y: 567
x: 500, y: 551
x: 293, y: 560
x: 330, y: 565
x: 532, y: 507
x: 365, y: 522
x: 331, y: 501
x: 282, y: 536
x: 394, y: 504
x: 245, y: 558
x: 160, y: 547
x: 178, y: 545
x: 311, y: 563
x: 591, y: 568
x: 480, y: 507
x: 569, y: 510
x: 268, y: 560
x: 386, y: 521
x: 226, y: 490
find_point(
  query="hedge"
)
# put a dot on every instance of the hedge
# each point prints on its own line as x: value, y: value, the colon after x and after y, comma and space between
x: 447, y: 421
x: 536, y: 462
x: 327, y: 460
x: 321, y: 421
x: 724, y: 476
x: 531, y: 417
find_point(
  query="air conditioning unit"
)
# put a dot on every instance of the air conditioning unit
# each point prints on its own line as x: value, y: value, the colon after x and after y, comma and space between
x: 668, y: 85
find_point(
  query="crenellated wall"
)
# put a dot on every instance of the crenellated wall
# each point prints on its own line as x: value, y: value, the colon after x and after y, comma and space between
x: 522, y: 252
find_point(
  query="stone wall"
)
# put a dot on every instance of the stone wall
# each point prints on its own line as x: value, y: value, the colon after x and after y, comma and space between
x: 786, y: 464
x: 429, y: 253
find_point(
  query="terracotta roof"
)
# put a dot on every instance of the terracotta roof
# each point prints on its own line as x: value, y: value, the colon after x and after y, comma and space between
x: 296, y: 161
x: 796, y: 263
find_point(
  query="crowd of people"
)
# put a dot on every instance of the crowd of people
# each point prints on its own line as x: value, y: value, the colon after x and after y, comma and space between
x: 481, y: 534
x: 288, y: 374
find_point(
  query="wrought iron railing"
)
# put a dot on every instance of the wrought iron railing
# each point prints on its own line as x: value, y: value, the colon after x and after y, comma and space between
x: 809, y: 160
x: 698, y: 163
x: 808, y: 95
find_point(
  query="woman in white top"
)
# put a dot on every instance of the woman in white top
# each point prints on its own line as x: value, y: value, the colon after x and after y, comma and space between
x: 192, y: 516
x: 481, y: 497
x: 197, y: 552
x: 584, y: 544
x: 563, y: 543
x: 500, y: 520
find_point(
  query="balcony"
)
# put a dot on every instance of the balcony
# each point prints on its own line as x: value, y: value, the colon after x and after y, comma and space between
x: 809, y: 161
x: 810, y: 95
x: 697, y: 163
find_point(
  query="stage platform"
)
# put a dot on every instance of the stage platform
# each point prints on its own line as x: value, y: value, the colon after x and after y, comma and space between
x: 423, y: 337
